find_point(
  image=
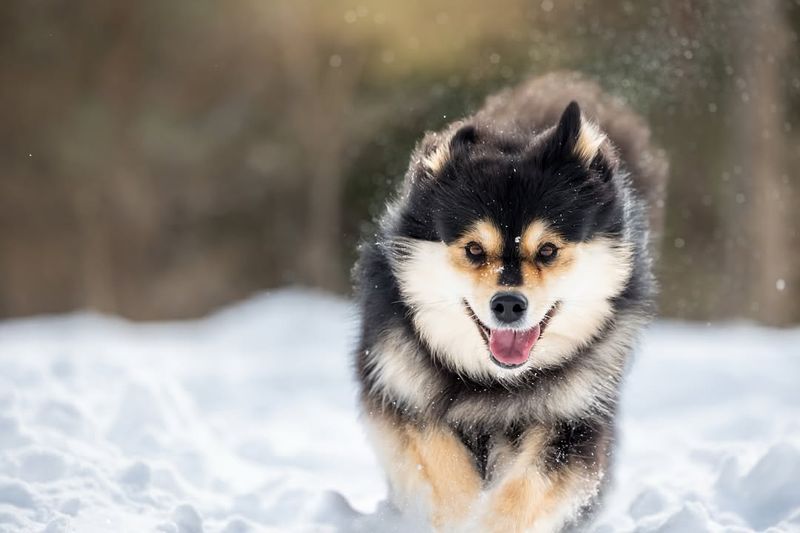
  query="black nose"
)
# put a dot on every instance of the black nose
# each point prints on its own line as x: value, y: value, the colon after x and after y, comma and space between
x: 508, y: 307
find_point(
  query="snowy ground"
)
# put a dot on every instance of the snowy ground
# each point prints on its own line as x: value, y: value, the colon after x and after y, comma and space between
x: 245, y: 421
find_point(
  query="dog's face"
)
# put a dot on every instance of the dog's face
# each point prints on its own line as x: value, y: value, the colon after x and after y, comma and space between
x: 512, y: 248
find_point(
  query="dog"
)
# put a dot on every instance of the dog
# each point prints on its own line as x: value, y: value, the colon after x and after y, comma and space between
x: 501, y: 299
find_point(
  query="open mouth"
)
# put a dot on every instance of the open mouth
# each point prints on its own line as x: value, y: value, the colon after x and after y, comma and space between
x: 510, y: 348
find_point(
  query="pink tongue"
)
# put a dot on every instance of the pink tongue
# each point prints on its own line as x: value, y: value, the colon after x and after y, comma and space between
x: 512, y: 347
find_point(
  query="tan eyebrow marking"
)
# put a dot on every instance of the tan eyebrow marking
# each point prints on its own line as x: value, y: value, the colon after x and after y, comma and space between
x: 487, y: 235
x: 536, y: 234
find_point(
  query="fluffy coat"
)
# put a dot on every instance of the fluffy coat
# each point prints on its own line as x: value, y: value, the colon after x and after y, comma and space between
x: 541, y: 194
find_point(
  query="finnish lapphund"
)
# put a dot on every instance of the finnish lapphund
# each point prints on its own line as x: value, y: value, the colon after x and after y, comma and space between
x: 501, y: 298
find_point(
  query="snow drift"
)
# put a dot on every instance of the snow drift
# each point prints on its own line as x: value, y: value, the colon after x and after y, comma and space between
x: 234, y: 423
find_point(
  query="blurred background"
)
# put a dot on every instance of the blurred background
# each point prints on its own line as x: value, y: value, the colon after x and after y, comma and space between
x: 160, y: 159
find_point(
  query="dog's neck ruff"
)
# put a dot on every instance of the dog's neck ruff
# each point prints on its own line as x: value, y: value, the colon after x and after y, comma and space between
x: 407, y: 381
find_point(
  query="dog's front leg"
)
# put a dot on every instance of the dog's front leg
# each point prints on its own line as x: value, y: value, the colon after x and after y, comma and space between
x: 530, y: 496
x: 429, y: 469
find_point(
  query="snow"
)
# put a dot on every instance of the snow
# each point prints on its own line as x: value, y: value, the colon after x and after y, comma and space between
x: 246, y: 421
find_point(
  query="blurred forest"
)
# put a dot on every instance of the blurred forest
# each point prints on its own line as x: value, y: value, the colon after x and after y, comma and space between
x: 160, y: 159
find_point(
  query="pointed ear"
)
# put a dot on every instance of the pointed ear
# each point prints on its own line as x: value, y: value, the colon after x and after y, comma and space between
x: 576, y: 135
x: 446, y: 146
x: 464, y: 137
x: 569, y: 125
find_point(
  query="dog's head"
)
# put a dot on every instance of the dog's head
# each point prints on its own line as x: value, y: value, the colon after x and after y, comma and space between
x: 509, y: 247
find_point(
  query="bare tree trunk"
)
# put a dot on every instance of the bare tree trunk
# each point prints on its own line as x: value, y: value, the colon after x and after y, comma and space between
x: 318, y: 110
x: 763, y: 148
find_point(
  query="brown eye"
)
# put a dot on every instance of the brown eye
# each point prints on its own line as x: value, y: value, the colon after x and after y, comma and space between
x: 547, y: 252
x: 475, y: 251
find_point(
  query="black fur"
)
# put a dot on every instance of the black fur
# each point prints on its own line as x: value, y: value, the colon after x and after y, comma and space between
x: 500, y: 176
x: 504, y: 170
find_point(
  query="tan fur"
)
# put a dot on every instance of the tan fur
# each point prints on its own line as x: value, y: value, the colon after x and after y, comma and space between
x: 487, y: 235
x: 436, y: 278
x: 534, y: 502
x: 436, y: 160
x: 525, y: 498
x: 590, y: 139
x: 483, y: 276
x: 486, y: 275
x: 582, y: 277
x: 519, y: 489
x: 533, y: 237
x: 431, y: 464
x: 430, y: 470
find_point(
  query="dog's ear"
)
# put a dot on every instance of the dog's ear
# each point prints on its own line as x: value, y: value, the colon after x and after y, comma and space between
x: 576, y: 136
x: 464, y: 138
x: 443, y: 147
